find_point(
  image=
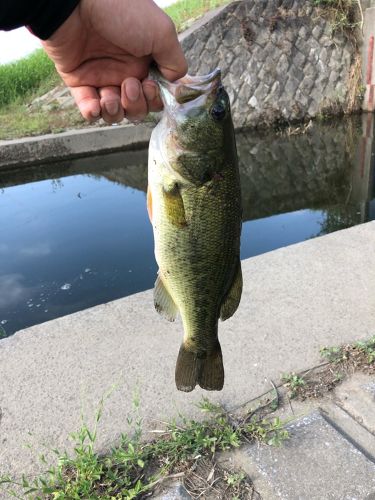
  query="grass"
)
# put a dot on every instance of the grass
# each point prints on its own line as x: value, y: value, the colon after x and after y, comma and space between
x: 20, y: 79
x: 17, y: 121
x: 184, y: 12
x: 135, y: 468
x: 20, y: 83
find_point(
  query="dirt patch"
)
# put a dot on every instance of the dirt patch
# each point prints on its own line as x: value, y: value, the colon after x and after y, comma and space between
x: 341, y: 362
x: 209, y: 480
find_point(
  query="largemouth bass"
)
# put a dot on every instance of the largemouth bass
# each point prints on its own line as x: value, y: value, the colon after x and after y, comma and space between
x: 194, y: 204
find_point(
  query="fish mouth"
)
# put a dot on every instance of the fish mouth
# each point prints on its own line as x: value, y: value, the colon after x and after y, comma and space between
x: 189, y: 89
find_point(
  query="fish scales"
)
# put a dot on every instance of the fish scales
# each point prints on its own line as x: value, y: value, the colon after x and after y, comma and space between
x: 194, y: 202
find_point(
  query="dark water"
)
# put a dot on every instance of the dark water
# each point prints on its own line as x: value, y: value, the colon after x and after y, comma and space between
x: 76, y: 234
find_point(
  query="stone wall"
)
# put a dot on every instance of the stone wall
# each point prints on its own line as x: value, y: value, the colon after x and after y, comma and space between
x: 280, y: 60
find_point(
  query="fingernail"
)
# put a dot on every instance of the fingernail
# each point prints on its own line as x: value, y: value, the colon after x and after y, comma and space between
x: 112, y: 107
x: 95, y: 113
x: 133, y: 90
x: 150, y: 92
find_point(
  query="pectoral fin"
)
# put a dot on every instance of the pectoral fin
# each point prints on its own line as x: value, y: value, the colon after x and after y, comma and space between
x: 163, y: 301
x: 233, y: 297
x: 174, y: 206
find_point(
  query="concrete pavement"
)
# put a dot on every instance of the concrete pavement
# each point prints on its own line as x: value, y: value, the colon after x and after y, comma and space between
x: 330, y: 452
x: 295, y: 300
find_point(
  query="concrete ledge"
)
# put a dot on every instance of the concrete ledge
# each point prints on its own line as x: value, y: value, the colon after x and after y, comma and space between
x: 368, y: 60
x: 73, y: 144
x: 295, y: 300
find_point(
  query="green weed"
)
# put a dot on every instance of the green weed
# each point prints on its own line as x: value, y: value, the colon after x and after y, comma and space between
x: 271, y: 432
x: 368, y: 348
x: 333, y: 354
x: 234, y: 478
x: 294, y: 382
x: 133, y: 468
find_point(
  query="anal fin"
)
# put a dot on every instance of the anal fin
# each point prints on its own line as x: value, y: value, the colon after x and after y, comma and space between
x: 233, y: 297
x: 164, y: 304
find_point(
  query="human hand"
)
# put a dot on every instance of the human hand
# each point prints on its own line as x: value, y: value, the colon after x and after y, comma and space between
x: 103, y: 52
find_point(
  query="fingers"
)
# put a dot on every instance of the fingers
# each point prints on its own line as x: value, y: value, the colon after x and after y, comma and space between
x: 134, y: 101
x: 104, y: 102
x: 152, y: 95
x: 138, y: 99
x: 110, y: 103
x: 87, y: 100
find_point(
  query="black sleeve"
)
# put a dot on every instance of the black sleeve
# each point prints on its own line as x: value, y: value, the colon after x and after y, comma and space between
x: 43, y: 17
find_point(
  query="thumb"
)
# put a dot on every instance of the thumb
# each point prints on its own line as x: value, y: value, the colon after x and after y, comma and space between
x: 168, y: 54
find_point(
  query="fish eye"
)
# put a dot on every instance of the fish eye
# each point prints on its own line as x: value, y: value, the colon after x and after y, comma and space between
x: 218, y: 111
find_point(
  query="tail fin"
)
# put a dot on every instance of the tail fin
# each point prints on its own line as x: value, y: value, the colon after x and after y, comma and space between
x: 211, y: 376
x: 207, y: 372
x: 187, y: 370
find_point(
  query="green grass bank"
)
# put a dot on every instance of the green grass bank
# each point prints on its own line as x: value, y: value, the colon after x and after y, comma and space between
x: 20, y: 79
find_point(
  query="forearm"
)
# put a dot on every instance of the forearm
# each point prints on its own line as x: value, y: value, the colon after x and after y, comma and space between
x: 43, y: 17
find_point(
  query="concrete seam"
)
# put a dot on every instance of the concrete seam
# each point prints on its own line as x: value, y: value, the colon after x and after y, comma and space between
x: 345, y: 435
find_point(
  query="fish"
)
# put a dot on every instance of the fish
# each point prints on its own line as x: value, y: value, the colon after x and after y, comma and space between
x: 194, y: 205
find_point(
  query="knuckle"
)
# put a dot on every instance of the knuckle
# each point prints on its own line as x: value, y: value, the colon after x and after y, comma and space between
x: 167, y: 27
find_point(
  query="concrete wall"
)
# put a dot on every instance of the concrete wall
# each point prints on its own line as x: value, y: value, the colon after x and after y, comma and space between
x: 368, y: 59
x: 280, y: 60
x: 366, y: 4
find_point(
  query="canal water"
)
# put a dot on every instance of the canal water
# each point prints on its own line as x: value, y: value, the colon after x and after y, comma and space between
x: 75, y: 234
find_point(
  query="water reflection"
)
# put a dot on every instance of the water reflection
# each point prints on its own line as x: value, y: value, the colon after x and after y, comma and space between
x: 75, y: 233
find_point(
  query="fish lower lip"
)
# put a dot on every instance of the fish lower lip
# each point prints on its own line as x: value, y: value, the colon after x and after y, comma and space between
x: 188, y: 88
x: 201, y: 80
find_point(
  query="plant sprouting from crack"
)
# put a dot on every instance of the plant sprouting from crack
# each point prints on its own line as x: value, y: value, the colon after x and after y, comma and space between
x: 368, y: 347
x: 294, y: 382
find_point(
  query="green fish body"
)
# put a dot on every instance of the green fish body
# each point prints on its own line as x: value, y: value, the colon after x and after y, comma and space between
x: 194, y: 202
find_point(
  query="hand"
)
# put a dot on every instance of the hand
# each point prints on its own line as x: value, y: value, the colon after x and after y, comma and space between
x: 103, y: 52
